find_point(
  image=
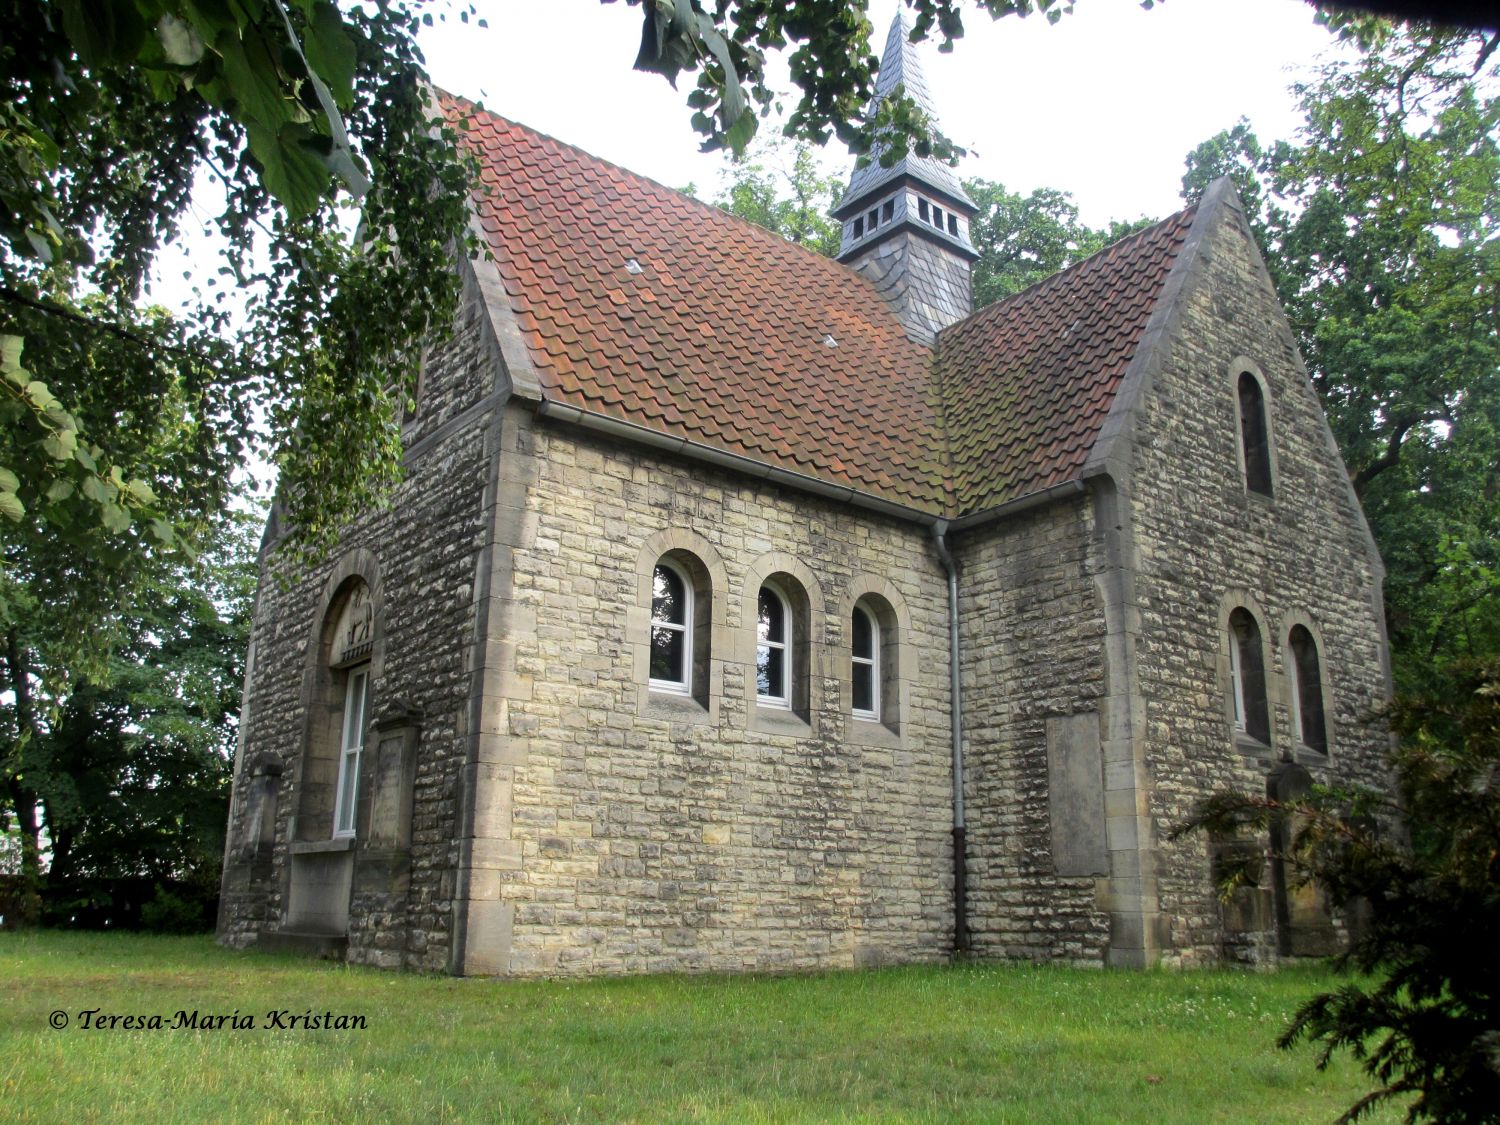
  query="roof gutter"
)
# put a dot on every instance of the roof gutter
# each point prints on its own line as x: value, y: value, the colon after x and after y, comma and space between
x: 955, y: 689
x: 803, y: 482
x: 698, y: 451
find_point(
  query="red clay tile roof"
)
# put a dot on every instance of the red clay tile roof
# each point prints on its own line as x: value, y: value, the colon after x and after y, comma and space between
x: 1028, y: 381
x: 720, y: 336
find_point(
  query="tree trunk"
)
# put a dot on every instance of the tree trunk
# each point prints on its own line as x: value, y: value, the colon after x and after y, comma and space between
x: 22, y: 797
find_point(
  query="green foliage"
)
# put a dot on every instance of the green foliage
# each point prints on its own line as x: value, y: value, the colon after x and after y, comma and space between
x: 50, y: 464
x: 168, y: 913
x: 132, y: 770
x: 754, y: 192
x: 122, y: 428
x: 111, y: 115
x: 1023, y: 239
x: 1381, y: 228
x: 1425, y: 1021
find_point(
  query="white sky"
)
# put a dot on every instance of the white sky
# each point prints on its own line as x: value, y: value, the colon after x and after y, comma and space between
x: 1105, y: 104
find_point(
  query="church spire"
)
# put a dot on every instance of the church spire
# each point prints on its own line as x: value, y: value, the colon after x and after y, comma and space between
x: 906, y: 227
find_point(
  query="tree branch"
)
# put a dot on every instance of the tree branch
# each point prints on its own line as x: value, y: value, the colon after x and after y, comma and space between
x: 15, y: 297
x: 1392, y: 455
x: 1484, y: 54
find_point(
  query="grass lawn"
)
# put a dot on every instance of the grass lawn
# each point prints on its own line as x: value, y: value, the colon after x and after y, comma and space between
x: 973, y: 1043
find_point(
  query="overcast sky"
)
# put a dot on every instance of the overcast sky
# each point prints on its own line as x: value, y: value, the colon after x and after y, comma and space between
x: 1104, y: 104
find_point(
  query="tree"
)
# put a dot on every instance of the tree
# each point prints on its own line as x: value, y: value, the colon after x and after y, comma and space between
x: 830, y: 63
x: 1425, y: 1018
x: 1381, y: 228
x: 754, y: 192
x: 1023, y: 239
x: 131, y: 771
x: 121, y: 427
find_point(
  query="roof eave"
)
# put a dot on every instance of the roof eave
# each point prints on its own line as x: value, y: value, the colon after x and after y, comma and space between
x: 852, y: 204
x: 707, y: 454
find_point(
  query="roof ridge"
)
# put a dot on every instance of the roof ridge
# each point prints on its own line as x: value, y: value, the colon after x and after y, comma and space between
x: 712, y: 208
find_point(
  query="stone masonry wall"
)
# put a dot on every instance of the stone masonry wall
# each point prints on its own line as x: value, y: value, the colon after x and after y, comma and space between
x: 423, y: 548
x: 1206, y: 545
x: 659, y: 834
x: 1032, y: 648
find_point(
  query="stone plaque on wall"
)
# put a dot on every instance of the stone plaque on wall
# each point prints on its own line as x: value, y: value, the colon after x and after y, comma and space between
x: 1075, y: 794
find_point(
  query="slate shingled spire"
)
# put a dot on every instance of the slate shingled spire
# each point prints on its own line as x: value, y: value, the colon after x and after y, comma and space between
x: 906, y: 227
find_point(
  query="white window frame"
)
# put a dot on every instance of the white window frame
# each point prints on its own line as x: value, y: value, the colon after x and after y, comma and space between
x: 872, y: 662
x: 1299, y: 733
x: 351, y: 748
x: 685, y: 685
x: 1236, y: 680
x: 788, y: 631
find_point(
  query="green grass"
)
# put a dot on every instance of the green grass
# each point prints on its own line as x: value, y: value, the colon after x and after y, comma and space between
x: 973, y: 1043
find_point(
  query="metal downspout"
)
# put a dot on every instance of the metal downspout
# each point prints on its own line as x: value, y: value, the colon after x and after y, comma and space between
x: 955, y: 692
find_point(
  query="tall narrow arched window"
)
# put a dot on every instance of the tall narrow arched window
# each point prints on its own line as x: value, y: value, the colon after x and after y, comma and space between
x: 773, y: 648
x: 671, y: 630
x: 1248, y: 677
x: 865, y: 663
x: 1255, y: 441
x: 352, y: 744
x: 331, y: 772
x: 1311, y: 728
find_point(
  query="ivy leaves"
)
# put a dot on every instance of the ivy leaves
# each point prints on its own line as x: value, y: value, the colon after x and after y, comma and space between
x: 287, y: 90
x: 66, y: 485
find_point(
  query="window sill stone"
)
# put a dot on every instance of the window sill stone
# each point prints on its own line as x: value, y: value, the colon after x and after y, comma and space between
x: 673, y: 707
x: 1253, y: 749
x: 872, y: 732
x: 778, y: 720
x: 315, y: 847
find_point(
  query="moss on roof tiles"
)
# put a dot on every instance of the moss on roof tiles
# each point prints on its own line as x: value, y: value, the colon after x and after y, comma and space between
x: 1009, y: 401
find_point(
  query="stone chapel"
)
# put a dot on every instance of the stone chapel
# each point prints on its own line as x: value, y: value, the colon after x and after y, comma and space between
x: 747, y: 610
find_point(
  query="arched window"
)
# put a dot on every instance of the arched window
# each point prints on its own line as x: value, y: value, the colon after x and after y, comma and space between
x: 677, y: 643
x: 865, y: 659
x: 1247, y: 672
x: 1255, y: 444
x: 1311, y: 729
x: 353, y: 638
x: 875, y: 659
x: 671, y: 629
x: 773, y: 648
x: 345, y: 658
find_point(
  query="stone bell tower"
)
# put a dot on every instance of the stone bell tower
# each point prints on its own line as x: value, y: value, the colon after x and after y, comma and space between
x: 906, y: 227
